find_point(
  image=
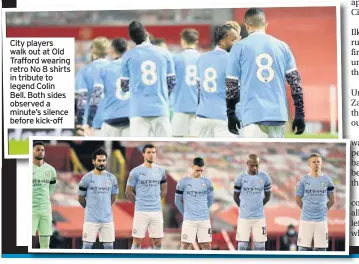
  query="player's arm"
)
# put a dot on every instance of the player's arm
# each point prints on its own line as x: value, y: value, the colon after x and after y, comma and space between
x: 81, y: 98
x: 171, y: 74
x: 233, y: 72
x: 83, y: 185
x: 331, y: 194
x: 179, y: 196
x: 114, y: 190
x: 52, y: 181
x: 299, y: 194
x: 125, y: 74
x: 163, y: 185
x: 130, y: 187
x: 294, y: 80
x: 237, y: 190
x: 210, y: 194
x: 96, y: 96
x: 267, y: 190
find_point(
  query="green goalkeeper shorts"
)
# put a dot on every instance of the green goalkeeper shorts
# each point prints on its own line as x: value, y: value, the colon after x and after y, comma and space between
x: 42, y: 222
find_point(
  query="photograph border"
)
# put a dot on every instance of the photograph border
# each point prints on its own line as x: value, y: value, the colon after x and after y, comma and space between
x: 196, y: 5
x: 217, y: 253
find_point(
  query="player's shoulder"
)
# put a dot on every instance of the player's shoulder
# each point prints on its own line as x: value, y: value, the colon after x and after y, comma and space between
x: 87, y: 176
x: 160, y: 168
x: 304, y: 178
x: 264, y: 174
x: 137, y: 168
x: 327, y: 177
x: 110, y: 175
x: 184, y: 179
x: 48, y: 166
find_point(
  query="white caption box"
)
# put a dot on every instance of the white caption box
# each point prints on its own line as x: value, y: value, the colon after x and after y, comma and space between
x: 39, y: 82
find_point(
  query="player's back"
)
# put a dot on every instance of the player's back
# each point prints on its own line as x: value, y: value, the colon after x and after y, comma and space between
x: 185, y: 93
x: 252, y: 188
x: 147, y: 67
x: 95, y: 87
x: 263, y: 62
x: 315, y: 196
x: 195, y: 199
x: 116, y: 102
x: 212, y: 74
x: 98, y: 197
x: 147, y: 187
x: 41, y: 179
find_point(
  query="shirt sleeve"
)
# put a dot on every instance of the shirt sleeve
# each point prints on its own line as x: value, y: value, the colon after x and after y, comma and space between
x: 267, y: 184
x: 233, y: 70
x: 238, y: 184
x: 115, y: 189
x: 291, y: 64
x: 179, y: 188
x: 132, y: 179
x: 170, y: 65
x: 164, y: 178
x: 300, y: 188
x: 52, y: 181
x: 83, y: 185
x: 331, y: 187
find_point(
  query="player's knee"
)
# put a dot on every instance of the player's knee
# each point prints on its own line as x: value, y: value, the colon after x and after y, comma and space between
x: 157, y: 243
x: 108, y: 245
x: 242, y: 245
x: 302, y: 249
x: 320, y: 249
x: 205, y: 246
x: 87, y: 245
x: 261, y: 246
x: 136, y: 243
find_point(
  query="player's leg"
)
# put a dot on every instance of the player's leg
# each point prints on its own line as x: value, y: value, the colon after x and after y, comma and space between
x: 156, y: 229
x: 45, y: 229
x: 140, y: 224
x: 97, y: 132
x: 109, y: 130
x: 89, y: 234
x: 140, y: 127
x: 273, y: 131
x: 243, y: 233
x: 202, y: 127
x: 188, y: 234
x: 125, y: 131
x: 220, y: 130
x: 321, y: 239
x: 253, y: 131
x: 259, y: 233
x: 161, y: 126
x: 107, y: 235
x: 179, y: 124
x: 204, y: 235
x: 305, y: 235
x: 35, y: 225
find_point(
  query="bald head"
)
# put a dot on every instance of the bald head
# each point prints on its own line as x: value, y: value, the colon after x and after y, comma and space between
x: 253, y: 164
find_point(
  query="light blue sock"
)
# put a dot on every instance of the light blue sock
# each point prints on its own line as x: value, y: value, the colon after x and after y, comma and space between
x: 302, y: 249
x: 108, y: 245
x: 157, y: 248
x: 242, y: 245
x: 87, y: 245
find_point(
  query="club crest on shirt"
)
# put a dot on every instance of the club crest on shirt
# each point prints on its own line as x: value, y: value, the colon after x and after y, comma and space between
x: 108, y: 182
x: 261, y: 182
x: 47, y: 173
x: 204, y: 185
x: 324, y: 184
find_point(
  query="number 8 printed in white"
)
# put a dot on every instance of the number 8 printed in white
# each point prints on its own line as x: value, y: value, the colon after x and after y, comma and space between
x: 191, y: 74
x: 262, y: 67
x: 119, y: 93
x: 150, y: 71
x: 210, y: 79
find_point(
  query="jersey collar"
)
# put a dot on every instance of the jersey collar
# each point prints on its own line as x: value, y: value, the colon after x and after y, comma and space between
x: 218, y: 48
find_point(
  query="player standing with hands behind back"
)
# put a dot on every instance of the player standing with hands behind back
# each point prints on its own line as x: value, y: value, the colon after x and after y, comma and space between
x: 149, y: 183
x: 197, y: 195
x: 97, y: 193
x: 256, y: 72
x: 252, y: 190
x: 43, y: 186
x: 315, y: 196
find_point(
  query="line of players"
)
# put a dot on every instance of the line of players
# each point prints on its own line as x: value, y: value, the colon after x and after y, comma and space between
x: 235, y: 90
x: 147, y: 186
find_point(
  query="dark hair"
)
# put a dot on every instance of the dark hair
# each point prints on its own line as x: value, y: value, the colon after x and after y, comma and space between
x: 36, y: 143
x: 198, y: 162
x: 255, y: 17
x: 190, y: 35
x: 244, y: 32
x: 119, y: 45
x: 147, y: 146
x: 151, y: 37
x: 137, y: 32
x: 98, y: 152
x: 221, y: 32
x: 158, y: 41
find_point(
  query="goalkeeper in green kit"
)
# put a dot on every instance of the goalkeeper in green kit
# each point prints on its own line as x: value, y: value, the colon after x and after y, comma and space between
x: 43, y: 185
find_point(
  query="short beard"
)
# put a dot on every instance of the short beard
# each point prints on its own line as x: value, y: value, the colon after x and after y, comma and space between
x: 100, y: 168
x: 38, y: 158
x: 149, y: 161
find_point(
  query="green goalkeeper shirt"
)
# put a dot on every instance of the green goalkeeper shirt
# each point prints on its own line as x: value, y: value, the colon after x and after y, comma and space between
x: 43, y: 185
